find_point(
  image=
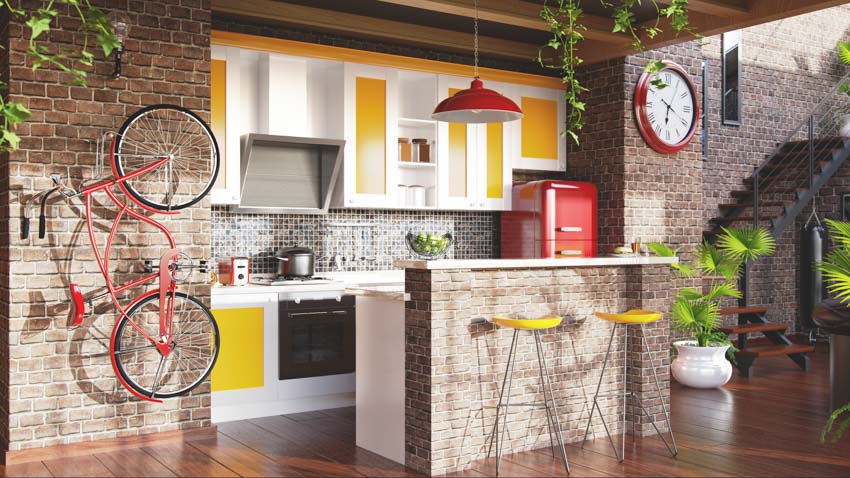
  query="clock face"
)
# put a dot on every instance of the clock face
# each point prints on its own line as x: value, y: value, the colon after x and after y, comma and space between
x: 667, y: 113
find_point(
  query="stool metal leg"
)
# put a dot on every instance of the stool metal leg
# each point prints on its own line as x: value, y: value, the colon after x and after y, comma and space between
x: 507, y: 381
x: 672, y: 449
x: 545, y: 370
x: 625, y: 390
x: 550, y: 424
x: 595, y: 405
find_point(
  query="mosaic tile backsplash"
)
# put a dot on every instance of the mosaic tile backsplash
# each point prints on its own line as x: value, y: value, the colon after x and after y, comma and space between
x: 371, y: 239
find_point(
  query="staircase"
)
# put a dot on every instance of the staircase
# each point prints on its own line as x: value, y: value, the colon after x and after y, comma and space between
x: 779, y: 189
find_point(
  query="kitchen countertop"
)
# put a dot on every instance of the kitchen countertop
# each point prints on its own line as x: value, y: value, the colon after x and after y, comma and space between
x: 375, y: 281
x: 534, y: 263
x: 388, y: 292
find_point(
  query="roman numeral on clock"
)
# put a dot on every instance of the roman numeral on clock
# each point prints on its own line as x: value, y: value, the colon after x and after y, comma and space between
x: 658, y: 129
x: 684, y: 94
x: 651, y: 117
x: 686, y: 108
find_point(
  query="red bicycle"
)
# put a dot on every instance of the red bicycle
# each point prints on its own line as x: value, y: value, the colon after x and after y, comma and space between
x: 164, y: 158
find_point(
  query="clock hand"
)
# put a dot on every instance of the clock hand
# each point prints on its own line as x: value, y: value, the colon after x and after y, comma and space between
x: 670, y: 108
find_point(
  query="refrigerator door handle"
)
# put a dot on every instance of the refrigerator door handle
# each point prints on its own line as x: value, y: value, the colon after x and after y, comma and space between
x: 570, y: 252
x: 570, y: 229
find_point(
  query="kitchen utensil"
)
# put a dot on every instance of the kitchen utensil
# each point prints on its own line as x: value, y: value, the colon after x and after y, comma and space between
x: 421, y: 150
x: 234, y: 270
x: 296, y: 261
x: 427, y: 245
x: 416, y: 195
x: 404, y: 150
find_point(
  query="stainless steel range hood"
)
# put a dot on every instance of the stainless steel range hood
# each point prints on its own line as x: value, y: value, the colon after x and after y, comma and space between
x: 288, y: 174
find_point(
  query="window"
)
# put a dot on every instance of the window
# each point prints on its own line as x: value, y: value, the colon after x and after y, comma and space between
x: 732, y: 78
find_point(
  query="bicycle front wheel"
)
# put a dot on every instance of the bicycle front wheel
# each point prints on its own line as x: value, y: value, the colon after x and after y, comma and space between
x: 195, y: 343
x: 176, y: 133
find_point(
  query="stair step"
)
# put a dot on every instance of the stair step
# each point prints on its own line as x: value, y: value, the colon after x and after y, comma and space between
x: 775, y: 350
x: 836, y: 140
x: 743, y: 310
x: 729, y: 219
x: 749, y: 204
x: 750, y: 328
x: 803, y: 153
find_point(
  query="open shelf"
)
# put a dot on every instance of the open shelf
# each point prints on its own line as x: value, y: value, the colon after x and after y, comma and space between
x: 416, y: 123
x: 412, y: 165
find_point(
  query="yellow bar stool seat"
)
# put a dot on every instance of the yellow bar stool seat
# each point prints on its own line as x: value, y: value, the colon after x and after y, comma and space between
x: 540, y: 323
x: 535, y: 326
x: 634, y: 316
x: 631, y: 318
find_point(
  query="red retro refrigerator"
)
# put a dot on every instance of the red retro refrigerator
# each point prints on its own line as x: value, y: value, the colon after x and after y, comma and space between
x: 551, y: 219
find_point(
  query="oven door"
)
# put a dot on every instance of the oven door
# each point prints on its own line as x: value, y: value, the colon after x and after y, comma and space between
x: 316, y: 339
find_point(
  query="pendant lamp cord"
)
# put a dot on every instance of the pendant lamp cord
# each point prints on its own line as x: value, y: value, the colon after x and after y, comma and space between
x: 814, y: 214
x: 475, y: 45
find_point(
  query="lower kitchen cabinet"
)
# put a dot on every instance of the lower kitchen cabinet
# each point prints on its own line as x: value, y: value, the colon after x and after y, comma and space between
x: 240, y: 358
x: 246, y: 381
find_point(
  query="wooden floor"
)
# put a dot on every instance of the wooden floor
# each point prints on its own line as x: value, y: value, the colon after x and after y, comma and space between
x: 768, y: 426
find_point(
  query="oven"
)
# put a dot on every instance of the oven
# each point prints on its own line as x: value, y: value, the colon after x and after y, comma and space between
x: 316, y: 337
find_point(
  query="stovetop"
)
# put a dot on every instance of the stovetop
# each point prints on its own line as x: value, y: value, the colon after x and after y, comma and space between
x: 281, y: 280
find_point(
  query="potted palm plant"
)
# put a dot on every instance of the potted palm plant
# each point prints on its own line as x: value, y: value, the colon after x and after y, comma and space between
x: 701, y: 361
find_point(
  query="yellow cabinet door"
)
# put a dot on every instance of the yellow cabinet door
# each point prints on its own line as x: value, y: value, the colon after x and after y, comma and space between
x: 540, y: 145
x: 240, y: 357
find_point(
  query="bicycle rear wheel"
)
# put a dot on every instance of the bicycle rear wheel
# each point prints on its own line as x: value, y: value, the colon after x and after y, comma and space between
x: 161, y: 131
x: 195, y: 340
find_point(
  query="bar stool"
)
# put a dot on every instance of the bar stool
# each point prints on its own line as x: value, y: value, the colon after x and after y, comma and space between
x: 630, y: 318
x: 553, y: 423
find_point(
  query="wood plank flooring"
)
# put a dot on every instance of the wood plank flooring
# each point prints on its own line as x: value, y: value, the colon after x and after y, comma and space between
x: 768, y: 425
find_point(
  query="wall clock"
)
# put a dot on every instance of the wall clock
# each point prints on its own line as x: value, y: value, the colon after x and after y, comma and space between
x: 666, y: 117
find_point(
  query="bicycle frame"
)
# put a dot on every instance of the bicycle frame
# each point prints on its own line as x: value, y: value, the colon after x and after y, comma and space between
x: 167, y: 285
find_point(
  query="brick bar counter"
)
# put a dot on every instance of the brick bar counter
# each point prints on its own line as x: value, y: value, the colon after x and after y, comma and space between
x: 455, y: 357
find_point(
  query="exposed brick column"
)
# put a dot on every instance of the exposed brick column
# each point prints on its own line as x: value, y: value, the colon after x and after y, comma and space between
x: 61, y: 386
x: 4, y: 250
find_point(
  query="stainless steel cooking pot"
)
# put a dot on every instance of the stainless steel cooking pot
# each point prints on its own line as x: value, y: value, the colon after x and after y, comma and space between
x: 296, y: 261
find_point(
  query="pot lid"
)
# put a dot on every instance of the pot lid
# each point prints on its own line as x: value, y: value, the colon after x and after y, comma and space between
x: 294, y: 250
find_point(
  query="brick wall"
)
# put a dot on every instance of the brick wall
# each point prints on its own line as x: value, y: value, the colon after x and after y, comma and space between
x: 787, y: 66
x: 61, y: 385
x: 4, y: 251
x: 456, y: 359
x: 642, y: 194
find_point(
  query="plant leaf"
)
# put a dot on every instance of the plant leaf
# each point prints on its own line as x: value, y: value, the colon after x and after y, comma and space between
x: 690, y: 293
x: 660, y: 249
x: 724, y: 289
x: 829, y: 423
x: 844, y: 51
x: 840, y: 232
x: 836, y: 274
x: 746, y: 243
x: 11, y: 138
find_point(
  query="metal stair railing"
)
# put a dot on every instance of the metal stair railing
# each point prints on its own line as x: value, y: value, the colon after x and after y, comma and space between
x: 792, y: 167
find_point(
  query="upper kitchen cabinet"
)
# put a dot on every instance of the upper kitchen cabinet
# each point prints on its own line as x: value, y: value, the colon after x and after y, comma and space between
x: 370, y: 118
x: 540, y: 145
x: 269, y: 93
x: 474, y: 159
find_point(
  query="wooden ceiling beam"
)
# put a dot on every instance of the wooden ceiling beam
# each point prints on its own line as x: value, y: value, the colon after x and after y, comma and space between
x: 760, y: 11
x: 516, y: 13
x: 362, y: 26
x: 719, y: 8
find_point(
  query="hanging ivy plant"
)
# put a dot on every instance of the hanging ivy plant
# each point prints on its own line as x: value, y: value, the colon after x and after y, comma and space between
x: 71, y: 60
x: 564, y: 21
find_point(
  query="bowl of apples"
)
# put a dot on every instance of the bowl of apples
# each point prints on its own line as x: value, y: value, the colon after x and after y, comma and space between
x: 428, y: 246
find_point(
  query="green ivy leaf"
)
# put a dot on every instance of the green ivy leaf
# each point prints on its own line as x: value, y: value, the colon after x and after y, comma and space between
x: 38, y: 25
x: 844, y: 51
x: 16, y: 113
x: 11, y: 138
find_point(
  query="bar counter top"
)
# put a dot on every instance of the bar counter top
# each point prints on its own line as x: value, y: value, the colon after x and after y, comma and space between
x: 471, y: 264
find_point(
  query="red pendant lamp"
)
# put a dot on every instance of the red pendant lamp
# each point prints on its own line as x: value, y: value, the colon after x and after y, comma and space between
x: 476, y: 104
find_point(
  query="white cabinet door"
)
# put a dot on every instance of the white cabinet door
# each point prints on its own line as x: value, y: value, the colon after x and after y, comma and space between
x: 538, y: 142
x: 370, y: 172
x: 224, y: 117
x: 244, y: 380
x: 457, y: 155
x: 495, y: 158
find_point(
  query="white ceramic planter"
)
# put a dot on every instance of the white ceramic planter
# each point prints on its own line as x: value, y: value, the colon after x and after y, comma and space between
x: 701, y: 367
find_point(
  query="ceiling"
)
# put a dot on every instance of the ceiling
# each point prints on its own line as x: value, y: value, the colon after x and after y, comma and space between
x: 509, y: 29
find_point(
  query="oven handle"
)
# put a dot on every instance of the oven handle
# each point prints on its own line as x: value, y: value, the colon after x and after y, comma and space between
x: 323, y: 312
